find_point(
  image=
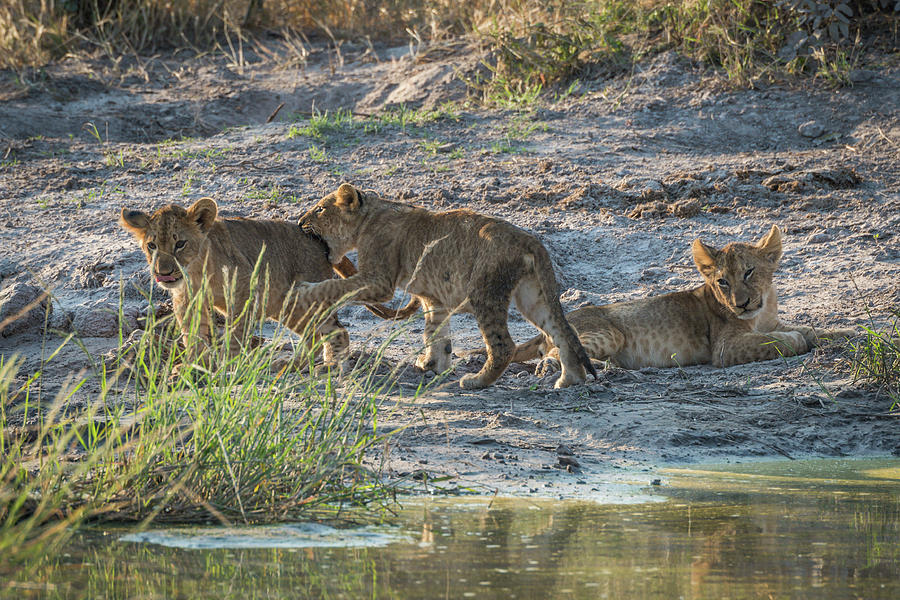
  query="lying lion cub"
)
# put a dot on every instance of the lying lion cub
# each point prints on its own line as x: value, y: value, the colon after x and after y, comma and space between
x: 450, y: 261
x: 179, y: 242
x: 730, y: 319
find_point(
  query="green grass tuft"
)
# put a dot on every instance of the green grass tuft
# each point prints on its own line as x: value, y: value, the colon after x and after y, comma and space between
x: 876, y: 359
x: 204, y: 430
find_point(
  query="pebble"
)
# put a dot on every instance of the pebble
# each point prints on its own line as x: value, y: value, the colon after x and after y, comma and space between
x: 811, y: 129
x: 653, y: 273
x: 819, y: 238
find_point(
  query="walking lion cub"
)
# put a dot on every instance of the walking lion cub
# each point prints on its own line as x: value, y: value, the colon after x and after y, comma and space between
x: 731, y: 319
x: 194, y: 243
x: 454, y: 261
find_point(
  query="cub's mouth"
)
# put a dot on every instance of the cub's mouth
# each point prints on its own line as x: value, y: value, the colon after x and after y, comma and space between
x: 166, y: 279
x: 313, y: 234
x: 748, y: 313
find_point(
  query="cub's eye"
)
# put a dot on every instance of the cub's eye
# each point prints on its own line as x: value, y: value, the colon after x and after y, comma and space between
x: 151, y: 246
x: 748, y: 274
x: 723, y: 283
x: 179, y: 244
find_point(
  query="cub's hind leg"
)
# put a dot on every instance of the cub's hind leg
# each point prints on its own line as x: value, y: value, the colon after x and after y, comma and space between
x: 335, y: 344
x: 329, y: 337
x: 436, y: 337
x: 536, y: 308
x: 489, y: 300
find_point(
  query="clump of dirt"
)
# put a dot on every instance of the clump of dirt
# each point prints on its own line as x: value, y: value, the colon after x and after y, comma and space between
x: 23, y: 307
x: 684, y: 209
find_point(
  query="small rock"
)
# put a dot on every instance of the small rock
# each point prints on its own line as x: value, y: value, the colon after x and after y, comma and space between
x: 861, y: 75
x: 14, y: 300
x: 655, y: 482
x: 651, y: 273
x: 568, y: 462
x: 811, y: 129
x: 819, y: 238
x: 564, y: 450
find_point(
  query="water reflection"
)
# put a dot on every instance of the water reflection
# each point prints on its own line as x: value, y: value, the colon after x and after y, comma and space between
x: 824, y: 530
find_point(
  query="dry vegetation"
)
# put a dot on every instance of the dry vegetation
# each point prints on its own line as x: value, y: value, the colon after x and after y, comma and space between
x: 531, y: 43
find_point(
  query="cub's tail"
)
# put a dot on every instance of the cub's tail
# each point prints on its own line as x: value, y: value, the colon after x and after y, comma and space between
x: 346, y: 269
x: 533, y: 348
x: 536, y: 347
x: 545, y: 274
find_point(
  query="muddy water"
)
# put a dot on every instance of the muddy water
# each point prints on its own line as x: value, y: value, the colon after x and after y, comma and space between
x: 801, y: 529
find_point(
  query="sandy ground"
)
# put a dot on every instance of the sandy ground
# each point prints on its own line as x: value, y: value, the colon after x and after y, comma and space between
x: 616, y: 179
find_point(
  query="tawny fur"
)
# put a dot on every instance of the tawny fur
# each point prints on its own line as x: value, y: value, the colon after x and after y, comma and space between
x: 731, y: 319
x: 454, y: 261
x: 195, y: 241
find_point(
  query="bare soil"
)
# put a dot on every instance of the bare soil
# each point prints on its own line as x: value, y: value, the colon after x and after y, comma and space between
x: 616, y: 179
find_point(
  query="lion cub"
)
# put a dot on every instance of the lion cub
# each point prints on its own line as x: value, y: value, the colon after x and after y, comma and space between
x: 731, y: 319
x: 450, y: 261
x: 194, y: 242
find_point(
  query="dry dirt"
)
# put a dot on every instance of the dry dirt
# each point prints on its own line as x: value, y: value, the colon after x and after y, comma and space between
x: 617, y: 179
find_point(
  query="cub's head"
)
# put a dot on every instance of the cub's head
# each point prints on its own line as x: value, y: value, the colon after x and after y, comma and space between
x: 335, y: 219
x: 740, y: 275
x: 172, y: 237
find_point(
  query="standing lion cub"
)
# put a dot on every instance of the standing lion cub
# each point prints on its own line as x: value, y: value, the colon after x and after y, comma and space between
x: 450, y: 261
x: 194, y: 243
x: 731, y: 319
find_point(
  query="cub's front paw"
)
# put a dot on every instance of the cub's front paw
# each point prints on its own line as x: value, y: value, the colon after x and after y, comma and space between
x: 791, y: 342
x: 567, y: 379
x: 471, y: 382
x: 835, y: 335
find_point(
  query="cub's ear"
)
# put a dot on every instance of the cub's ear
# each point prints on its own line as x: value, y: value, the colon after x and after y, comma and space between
x: 134, y: 221
x: 204, y: 212
x: 770, y: 245
x: 348, y: 197
x: 704, y: 257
